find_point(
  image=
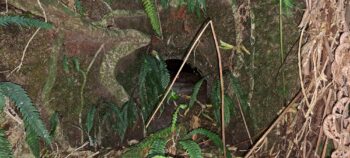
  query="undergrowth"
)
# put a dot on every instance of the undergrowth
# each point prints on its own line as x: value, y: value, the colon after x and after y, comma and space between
x: 23, y: 21
x: 33, y: 124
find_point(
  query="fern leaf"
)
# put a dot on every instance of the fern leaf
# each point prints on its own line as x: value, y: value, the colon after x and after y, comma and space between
x: 90, y: 119
x: 174, y: 119
x: 164, y: 3
x: 239, y: 93
x: 215, y: 94
x: 157, y: 148
x: 211, y: 136
x: 153, y: 79
x: 53, y: 123
x: 192, y: 148
x: 33, y: 141
x: 23, y: 21
x: 137, y: 150
x: 195, y: 91
x: 31, y: 118
x: 5, y: 146
x: 287, y: 6
x: 229, y: 109
x: 2, y: 101
x: 152, y: 14
x: 79, y: 7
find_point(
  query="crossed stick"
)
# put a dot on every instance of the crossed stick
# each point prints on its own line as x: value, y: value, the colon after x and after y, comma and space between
x: 208, y: 23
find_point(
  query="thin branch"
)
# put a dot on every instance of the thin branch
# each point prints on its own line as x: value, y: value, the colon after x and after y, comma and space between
x: 82, y: 146
x: 178, y: 72
x: 279, y: 118
x: 29, y: 41
x: 198, y: 36
x: 299, y: 65
x: 221, y: 87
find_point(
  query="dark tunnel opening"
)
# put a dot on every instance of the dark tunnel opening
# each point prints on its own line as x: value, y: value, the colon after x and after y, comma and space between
x: 188, y: 77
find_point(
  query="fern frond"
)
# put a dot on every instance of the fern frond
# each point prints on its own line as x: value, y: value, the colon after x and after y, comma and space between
x: 211, y: 136
x: 195, y: 91
x: 53, y: 123
x: 153, y: 79
x: 2, y: 101
x: 287, y: 6
x: 137, y: 151
x: 5, y: 146
x: 23, y: 21
x: 90, y: 119
x: 157, y: 148
x: 174, y: 118
x: 79, y: 7
x: 33, y: 142
x: 152, y: 14
x: 196, y: 6
x: 215, y: 100
x: 31, y: 118
x: 164, y: 3
x: 192, y: 148
x: 229, y: 109
x: 243, y: 99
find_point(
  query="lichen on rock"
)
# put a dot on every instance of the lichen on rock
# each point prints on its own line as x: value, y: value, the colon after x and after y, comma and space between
x: 131, y: 40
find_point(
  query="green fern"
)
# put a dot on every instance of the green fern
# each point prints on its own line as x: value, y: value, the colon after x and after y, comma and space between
x: 79, y: 7
x: 287, y: 6
x: 23, y: 21
x: 153, y: 79
x: 2, y: 101
x: 195, y: 91
x: 196, y: 6
x: 164, y: 3
x: 229, y: 110
x: 192, y: 148
x: 243, y: 99
x: 174, y: 118
x: 152, y: 14
x: 33, y: 124
x: 137, y: 151
x: 120, y: 118
x: 5, y: 146
x: 53, y: 123
x: 33, y: 141
x: 157, y: 148
x: 211, y: 136
x: 90, y: 119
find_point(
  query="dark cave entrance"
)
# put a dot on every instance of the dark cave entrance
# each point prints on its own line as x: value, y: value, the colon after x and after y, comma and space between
x: 187, y: 78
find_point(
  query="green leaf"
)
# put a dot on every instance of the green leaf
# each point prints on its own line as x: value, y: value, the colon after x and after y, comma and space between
x: 164, y: 3
x: 152, y: 14
x: 23, y: 21
x: 157, y: 148
x: 79, y: 7
x: 243, y: 99
x: 53, y: 123
x: 211, y: 136
x: 30, y: 114
x: 153, y: 79
x: 174, y: 118
x: 90, y: 119
x: 195, y: 91
x: 33, y: 142
x: 76, y: 64
x: 2, y: 102
x: 65, y: 64
x: 5, y: 146
x: 225, y: 46
x: 192, y: 148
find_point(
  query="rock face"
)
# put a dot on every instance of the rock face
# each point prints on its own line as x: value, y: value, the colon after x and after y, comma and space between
x: 130, y: 41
